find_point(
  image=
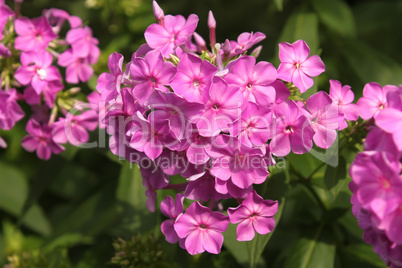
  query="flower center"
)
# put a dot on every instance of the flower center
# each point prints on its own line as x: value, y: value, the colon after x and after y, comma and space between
x: 253, y: 214
x: 42, y: 74
x: 203, y: 226
x: 153, y: 80
x: 289, y: 129
x: 174, y: 37
x: 381, y: 106
x: 249, y: 85
x: 216, y: 106
x: 43, y: 139
x: 314, y: 120
x: 297, y: 65
x: 38, y: 36
x: 385, y: 183
x: 251, y: 124
x: 196, y: 83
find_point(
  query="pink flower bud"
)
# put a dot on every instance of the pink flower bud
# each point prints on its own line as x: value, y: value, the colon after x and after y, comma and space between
x: 201, y: 45
x: 256, y: 52
x: 211, y: 20
x: 158, y: 13
x: 212, y: 27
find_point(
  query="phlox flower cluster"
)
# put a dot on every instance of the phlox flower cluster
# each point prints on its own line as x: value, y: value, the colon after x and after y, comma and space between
x: 218, y: 118
x: 377, y: 172
x: 33, y: 55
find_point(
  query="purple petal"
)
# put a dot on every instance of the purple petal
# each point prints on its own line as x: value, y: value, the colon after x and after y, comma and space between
x: 245, y: 231
x: 302, y: 81
x: 313, y: 66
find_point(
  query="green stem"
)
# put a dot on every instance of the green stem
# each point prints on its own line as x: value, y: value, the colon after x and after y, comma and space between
x: 306, y: 182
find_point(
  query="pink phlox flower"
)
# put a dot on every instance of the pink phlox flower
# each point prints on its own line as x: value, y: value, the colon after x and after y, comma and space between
x: 78, y: 68
x: 389, y: 119
x: 109, y: 84
x: 193, y: 77
x: 150, y: 135
x: 201, y: 229
x: 49, y: 92
x: 153, y: 178
x: 40, y: 139
x: 239, y: 163
x: 74, y: 128
x: 171, y: 209
x: 57, y: 17
x: 252, y: 128
x: 378, y: 181
x: 121, y: 110
x: 281, y: 91
x: 82, y: 42
x: 254, y: 80
x: 222, y: 108
x: 291, y: 130
x: 343, y: 96
x: 5, y: 14
x: 326, y: 117
x: 227, y: 187
x: 3, y: 143
x: 254, y: 215
x: 195, y: 152
x: 150, y: 73
x: 37, y: 70
x: 175, y: 32
x: 174, y: 162
x: 175, y: 110
x: 10, y: 111
x: 374, y: 99
x: 4, y: 51
x: 98, y: 105
x: 33, y: 34
x: 379, y: 140
x: 244, y: 42
x: 296, y: 65
x: 202, y: 186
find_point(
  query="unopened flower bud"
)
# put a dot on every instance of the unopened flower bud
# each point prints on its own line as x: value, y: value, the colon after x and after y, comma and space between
x: 211, y: 20
x: 4, y: 51
x: 212, y: 27
x: 201, y: 45
x: 226, y: 48
x: 256, y: 52
x: 158, y: 13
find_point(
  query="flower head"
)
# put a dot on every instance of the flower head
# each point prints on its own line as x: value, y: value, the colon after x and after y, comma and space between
x: 201, y: 229
x: 296, y: 65
x: 253, y: 215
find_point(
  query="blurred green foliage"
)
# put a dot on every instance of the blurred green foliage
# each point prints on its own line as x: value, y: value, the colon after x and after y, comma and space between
x: 68, y: 211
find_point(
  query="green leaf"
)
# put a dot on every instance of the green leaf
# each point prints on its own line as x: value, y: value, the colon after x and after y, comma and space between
x: 315, y: 249
x: 131, y: 202
x: 42, y: 179
x: 90, y: 216
x: 349, y: 222
x: 337, y: 16
x: 302, y: 25
x: 130, y: 189
x: 66, y: 241
x: 36, y: 220
x: 360, y: 255
x: 13, y: 189
x: 238, y: 249
x: 305, y: 164
x: 334, y: 174
x: 279, y: 4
